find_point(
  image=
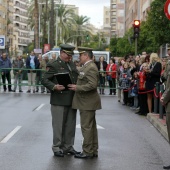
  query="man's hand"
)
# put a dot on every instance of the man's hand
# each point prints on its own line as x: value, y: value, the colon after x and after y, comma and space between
x: 72, y: 87
x: 59, y: 87
x: 161, y: 99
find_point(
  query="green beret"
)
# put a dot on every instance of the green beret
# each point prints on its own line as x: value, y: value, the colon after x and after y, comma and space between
x: 68, y: 49
x: 84, y: 49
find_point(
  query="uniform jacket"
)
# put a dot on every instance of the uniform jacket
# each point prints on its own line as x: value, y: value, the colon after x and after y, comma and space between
x: 166, y: 94
x: 165, y: 73
x: 86, y: 96
x: 61, y: 98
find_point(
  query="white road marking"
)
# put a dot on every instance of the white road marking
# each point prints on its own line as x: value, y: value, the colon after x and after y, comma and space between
x: 98, y: 127
x: 39, y: 107
x: 5, y: 140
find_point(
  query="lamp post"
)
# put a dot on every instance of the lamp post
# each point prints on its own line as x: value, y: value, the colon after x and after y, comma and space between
x: 56, y: 2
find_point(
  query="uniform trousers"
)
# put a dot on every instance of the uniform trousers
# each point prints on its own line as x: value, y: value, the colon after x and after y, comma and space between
x: 89, y: 132
x: 168, y: 124
x: 64, y: 125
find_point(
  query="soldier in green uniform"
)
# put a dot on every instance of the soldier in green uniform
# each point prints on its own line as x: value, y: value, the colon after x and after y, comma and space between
x: 165, y: 99
x: 87, y: 100
x: 63, y: 116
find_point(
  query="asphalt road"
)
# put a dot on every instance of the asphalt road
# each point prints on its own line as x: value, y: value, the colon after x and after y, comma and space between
x: 127, y: 141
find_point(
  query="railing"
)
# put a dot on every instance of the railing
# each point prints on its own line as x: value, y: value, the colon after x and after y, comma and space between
x: 158, y: 90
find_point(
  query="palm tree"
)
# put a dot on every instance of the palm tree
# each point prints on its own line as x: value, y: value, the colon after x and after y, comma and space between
x: 65, y: 18
x: 36, y: 28
x: 81, y: 28
x: 52, y: 24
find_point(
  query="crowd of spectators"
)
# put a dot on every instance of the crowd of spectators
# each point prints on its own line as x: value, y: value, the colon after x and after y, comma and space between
x: 34, y: 67
x: 132, y: 78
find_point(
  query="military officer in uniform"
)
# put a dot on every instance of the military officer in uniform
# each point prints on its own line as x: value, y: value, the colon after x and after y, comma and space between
x: 165, y: 99
x: 63, y: 116
x: 87, y: 100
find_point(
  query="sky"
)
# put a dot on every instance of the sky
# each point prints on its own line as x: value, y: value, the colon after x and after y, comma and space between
x: 91, y: 8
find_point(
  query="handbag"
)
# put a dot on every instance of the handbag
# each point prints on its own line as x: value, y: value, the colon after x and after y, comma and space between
x: 109, y: 78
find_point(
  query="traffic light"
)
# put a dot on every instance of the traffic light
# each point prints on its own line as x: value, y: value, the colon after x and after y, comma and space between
x: 136, y: 26
x: 87, y: 37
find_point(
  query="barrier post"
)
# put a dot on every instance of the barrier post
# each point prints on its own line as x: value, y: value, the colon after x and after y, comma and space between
x: 161, y: 107
x: 156, y: 98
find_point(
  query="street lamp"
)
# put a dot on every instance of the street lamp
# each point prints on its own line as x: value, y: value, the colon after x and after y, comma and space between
x: 56, y: 2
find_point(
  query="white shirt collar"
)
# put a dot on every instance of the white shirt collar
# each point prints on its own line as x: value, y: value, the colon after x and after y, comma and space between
x: 87, y: 62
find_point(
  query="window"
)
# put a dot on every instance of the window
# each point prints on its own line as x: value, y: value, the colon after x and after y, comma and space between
x: 121, y: 13
x: 114, y: 6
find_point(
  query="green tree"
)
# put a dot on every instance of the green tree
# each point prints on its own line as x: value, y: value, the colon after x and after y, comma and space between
x: 158, y: 24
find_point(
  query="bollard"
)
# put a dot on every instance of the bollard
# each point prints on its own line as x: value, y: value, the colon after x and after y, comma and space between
x: 161, y: 107
x: 156, y: 98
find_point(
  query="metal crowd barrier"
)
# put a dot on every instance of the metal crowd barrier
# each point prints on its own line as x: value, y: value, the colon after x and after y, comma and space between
x: 24, y: 71
x: 158, y: 106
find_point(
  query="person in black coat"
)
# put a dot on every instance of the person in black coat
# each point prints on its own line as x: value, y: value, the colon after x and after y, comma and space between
x: 102, y: 65
x: 153, y: 74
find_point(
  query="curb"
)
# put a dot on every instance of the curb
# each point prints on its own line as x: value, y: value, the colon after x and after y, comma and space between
x: 159, y: 124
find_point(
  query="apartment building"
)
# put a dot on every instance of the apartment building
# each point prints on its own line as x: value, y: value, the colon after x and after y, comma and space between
x: 117, y: 18
x: 106, y: 23
x: 136, y: 9
x: 120, y: 27
x: 21, y: 30
x: 113, y: 17
x: 3, y: 17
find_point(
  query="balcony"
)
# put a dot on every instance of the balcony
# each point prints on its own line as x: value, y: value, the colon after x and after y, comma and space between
x: 21, y: 6
x: 21, y: 13
x: 20, y: 20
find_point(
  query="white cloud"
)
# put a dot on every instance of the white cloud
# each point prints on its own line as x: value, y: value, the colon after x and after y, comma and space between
x: 91, y: 8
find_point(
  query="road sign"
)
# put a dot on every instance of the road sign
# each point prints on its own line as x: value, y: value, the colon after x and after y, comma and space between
x: 2, y: 41
x: 167, y: 9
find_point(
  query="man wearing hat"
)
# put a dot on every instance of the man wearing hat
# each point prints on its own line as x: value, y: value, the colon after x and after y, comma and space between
x: 87, y: 100
x: 63, y: 116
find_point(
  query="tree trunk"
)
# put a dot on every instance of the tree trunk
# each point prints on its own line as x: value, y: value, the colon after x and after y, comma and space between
x: 52, y: 25
x: 36, y: 27
x: 45, y: 24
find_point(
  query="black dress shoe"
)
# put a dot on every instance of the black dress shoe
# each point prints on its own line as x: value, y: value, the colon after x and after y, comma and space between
x: 59, y: 154
x: 72, y: 152
x: 82, y: 156
x: 20, y: 91
x: 28, y: 91
x: 166, y: 167
x: 95, y: 155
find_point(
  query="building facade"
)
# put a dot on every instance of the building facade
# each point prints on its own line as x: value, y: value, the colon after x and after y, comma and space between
x: 136, y: 9
x: 21, y: 30
x: 106, y: 23
x: 117, y: 18
x: 3, y: 17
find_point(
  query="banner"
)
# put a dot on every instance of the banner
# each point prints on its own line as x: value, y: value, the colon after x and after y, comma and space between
x: 2, y: 41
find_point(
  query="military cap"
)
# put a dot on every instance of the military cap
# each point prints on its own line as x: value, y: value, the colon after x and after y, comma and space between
x: 68, y: 49
x: 84, y: 49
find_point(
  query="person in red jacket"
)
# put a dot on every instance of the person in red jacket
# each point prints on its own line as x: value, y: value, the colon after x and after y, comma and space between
x: 111, y: 76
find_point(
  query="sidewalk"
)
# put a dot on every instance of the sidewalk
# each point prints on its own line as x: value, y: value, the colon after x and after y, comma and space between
x: 159, y: 124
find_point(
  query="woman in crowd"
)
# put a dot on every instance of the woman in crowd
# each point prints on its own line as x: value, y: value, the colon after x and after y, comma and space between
x: 102, y: 73
x: 125, y: 79
x: 111, y: 76
x: 153, y: 74
x: 142, y: 95
x: 119, y: 73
